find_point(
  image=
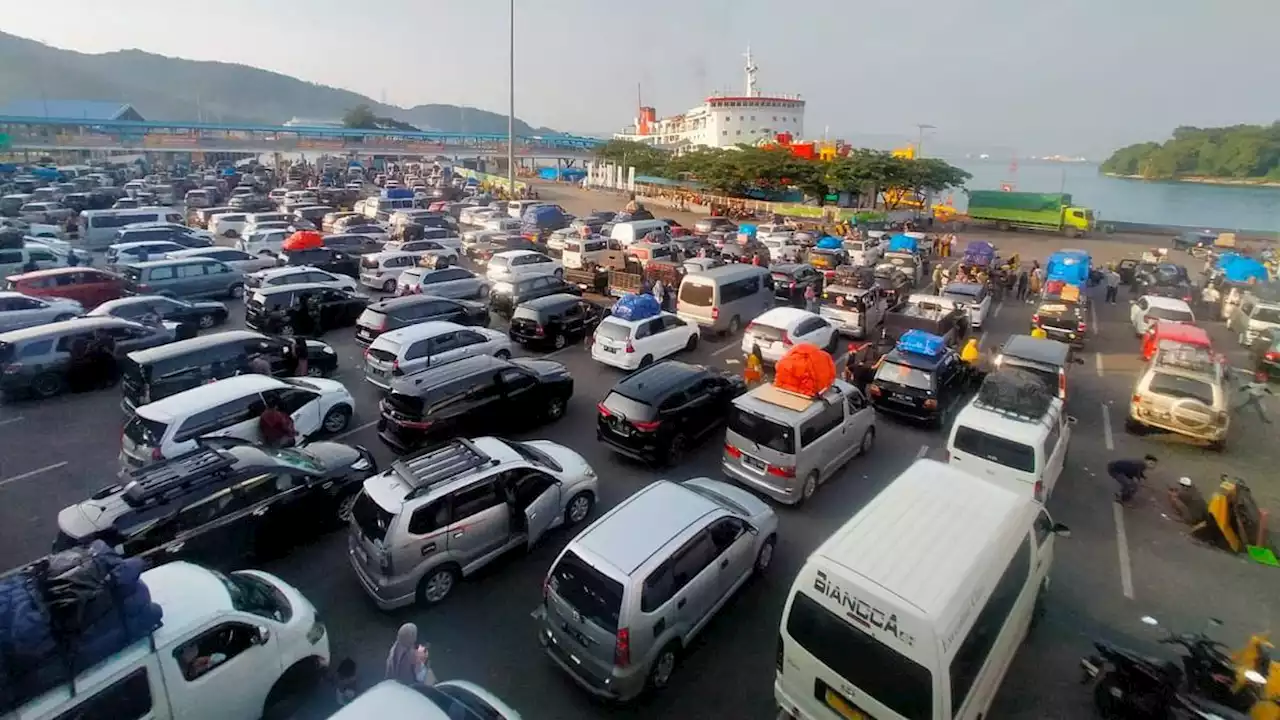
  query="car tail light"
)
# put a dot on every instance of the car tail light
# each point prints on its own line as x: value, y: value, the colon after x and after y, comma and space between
x: 732, y: 451
x: 1137, y: 398
x: 648, y: 426
x: 1272, y: 356
x: 786, y: 338
x: 395, y: 367
x: 873, y: 389
x: 1081, y: 327
x: 1062, y: 384
x: 791, y: 285
x: 622, y: 648
x: 1039, y: 490
x: 630, y: 348
x: 930, y: 404
x: 12, y: 368
x: 156, y: 454
x: 781, y: 471
x: 603, y: 410
x: 715, y: 313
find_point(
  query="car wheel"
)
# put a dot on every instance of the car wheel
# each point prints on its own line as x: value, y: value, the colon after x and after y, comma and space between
x: 345, y: 505
x: 764, y: 558
x: 664, y: 666
x: 236, y: 292
x: 868, y: 442
x: 337, y: 419
x: 675, y: 450
x: 735, y: 324
x: 389, y: 286
x: 437, y: 585
x: 646, y: 361
x: 503, y: 354
x: 693, y: 343
x: 559, y: 341
x: 46, y: 385
x: 555, y: 408
x: 809, y: 487
x: 482, y: 293
x: 205, y: 322
x: 314, y: 371
x: 578, y: 509
x: 231, y: 234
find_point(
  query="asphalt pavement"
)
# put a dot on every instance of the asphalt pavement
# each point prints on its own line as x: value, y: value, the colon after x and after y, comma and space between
x: 1118, y: 565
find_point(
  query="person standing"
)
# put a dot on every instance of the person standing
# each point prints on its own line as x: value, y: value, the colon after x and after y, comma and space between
x: 300, y: 365
x: 811, y: 299
x: 1130, y: 474
x: 659, y: 293
x: 1253, y: 393
x: 1112, y: 279
x: 1023, y: 280
x: 408, y: 662
x: 1034, y: 284
x: 276, y: 427
x: 937, y: 277
x: 754, y: 371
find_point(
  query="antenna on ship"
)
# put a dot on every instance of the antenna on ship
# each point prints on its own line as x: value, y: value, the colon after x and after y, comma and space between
x: 751, y: 74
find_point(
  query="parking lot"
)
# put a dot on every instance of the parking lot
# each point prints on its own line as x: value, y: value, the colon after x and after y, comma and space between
x: 1118, y: 565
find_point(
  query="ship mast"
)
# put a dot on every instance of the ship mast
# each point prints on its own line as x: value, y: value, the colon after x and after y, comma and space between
x: 751, y: 75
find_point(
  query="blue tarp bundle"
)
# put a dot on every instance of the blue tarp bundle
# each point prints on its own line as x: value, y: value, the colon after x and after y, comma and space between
x: 1069, y: 266
x: 747, y: 229
x: 1244, y: 270
x: 920, y: 342
x: 979, y: 253
x: 830, y: 243
x: 902, y: 243
x: 59, y: 618
x: 1227, y: 258
x: 636, y: 307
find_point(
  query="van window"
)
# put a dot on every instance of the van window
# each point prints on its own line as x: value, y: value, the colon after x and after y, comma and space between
x: 697, y: 294
x: 814, y: 428
x: 1001, y: 451
x: 972, y: 654
x: 894, y: 680
x: 739, y: 289
x: 587, y: 590
x: 762, y: 431
x: 126, y: 699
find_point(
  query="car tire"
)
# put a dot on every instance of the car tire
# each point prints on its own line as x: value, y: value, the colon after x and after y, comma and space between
x: 764, y: 558
x: 236, y: 292
x: 735, y: 324
x: 559, y: 341
x: 206, y: 321
x: 578, y: 509
x: 315, y: 371
x: 336, y: 420
x: 663, y: 668
x: 47, y: 385
x: 808, y: 489
x: 676, y: 448
x: 692, y: 344
x: 437, y: 585
x: 646, y: 361
x: 389, y: 286
x: 868, y: 442
x: 290, y: 693
x: 555, y: 408
x: 345, y: 504
x: 286, y: 330
x: 503, y: 354
x: 483, y: 293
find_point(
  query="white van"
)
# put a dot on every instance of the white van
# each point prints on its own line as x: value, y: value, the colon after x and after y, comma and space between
x: 98, y: 227
x: 374, y: 205
x: 634, y: 231
x: 1024, y: 454
x: 914, y: 609
x: 258, y: 652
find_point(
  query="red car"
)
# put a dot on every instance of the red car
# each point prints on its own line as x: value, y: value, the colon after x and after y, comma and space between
x: 88, y: 286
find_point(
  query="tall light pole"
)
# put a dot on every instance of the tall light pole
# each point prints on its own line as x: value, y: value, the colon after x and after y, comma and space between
x: 920, y: 138
x: 511, y: 108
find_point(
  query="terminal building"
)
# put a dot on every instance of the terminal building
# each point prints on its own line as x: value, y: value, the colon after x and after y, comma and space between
x: 71, y: 110
x: 752, y: 118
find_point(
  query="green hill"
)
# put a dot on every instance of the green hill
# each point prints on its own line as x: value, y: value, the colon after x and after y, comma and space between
x: 164, y: 88
x: 1241, y: 152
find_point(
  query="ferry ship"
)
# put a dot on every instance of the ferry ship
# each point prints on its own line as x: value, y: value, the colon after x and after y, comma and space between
x: 753, y: 118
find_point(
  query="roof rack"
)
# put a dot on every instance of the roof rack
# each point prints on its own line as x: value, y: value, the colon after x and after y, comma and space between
x: 159, y: 483
x: 440, y: 464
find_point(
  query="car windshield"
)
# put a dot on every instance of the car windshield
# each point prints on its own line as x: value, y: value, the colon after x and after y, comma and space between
x: 371, y: 518
x: 254, y: 595
x: 1267, y: 315
x: 534, y: 455
x: 143, y: 431
x: 718, y: 498
x: 761, y: 430
x: 1181, y: 387
x: 498, y: 261
x: 296, y: 459
x: 1173, y: 314
x: 594, y: 595
x: 993, y: 448
x: 613, y: 331
x: 905, y: 376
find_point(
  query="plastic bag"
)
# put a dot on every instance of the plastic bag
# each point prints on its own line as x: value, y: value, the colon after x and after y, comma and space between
x: 805, y: 370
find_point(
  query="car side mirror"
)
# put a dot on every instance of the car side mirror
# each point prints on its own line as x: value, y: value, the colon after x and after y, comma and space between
x: 1061, y: 530
x: 264, y: 634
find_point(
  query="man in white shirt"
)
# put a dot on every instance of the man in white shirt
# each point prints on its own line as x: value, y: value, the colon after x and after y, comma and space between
x: 1253, y: 393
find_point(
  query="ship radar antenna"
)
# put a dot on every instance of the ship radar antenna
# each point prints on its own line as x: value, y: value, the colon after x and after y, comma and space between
x: 751, y: 74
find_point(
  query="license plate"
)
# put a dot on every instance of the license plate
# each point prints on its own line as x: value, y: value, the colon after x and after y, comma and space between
x: 842, y: 707
x: 906, y: 399
x: 753, y: 462
x: 608, y: 349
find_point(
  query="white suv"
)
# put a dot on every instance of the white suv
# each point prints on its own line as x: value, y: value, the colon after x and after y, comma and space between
x: 516, y: 264
x: 422, y: 345
x: 631, y: 344
x: 294, y: 275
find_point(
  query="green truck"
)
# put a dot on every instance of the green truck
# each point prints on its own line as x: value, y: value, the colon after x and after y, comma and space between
x: 1031, y: 211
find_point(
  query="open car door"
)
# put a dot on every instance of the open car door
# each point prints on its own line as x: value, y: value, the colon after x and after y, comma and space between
x: 1126, y: 269
x: 539, y: 494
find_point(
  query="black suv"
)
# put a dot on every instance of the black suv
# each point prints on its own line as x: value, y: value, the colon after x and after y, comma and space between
x: 792, y: 280
x: 919, y: 386
x: 325, y: 258
x: 555, y: 320
x: 394, y: 313
x: 282, y: 310
x: 473, y: 396
x: 352, y: 243
x: 226, y: 504
x: 1164, y: 280
x: 193, y: 315
x: 658, y: 413
x: 505, y: 296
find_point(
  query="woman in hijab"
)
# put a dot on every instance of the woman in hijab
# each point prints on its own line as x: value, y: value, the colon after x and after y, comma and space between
x: 407, y: 661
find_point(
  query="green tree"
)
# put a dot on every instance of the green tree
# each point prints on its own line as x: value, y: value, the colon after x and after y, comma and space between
x: 1244, y: 152
x: 646, y: 159
x: 360, y: 116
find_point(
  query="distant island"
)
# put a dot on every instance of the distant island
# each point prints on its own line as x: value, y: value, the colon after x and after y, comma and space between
x: 1237, y: 155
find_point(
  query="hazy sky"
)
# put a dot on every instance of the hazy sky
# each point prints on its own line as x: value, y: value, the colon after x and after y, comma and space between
x: 1065, y: 76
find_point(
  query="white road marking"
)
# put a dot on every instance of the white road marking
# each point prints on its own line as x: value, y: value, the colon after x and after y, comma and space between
x: 924, y: 450
x: 996, y: 313
x: 1106, y: 427
x: 355, y: 430
x: 1097, y: 361
x: 32, y: 473
x: 554, y: 353
x: 1093, y: 319
x: 9, y: 421
x: 728, y: 346
x: 1122, y: 547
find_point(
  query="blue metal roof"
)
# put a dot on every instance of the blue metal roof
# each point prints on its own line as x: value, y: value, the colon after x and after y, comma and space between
x: 77, y: 109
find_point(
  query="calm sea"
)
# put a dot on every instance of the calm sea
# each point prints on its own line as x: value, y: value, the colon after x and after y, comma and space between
x: 1164, y: 203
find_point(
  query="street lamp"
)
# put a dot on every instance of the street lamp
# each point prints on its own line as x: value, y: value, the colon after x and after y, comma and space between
x: 511, y: 108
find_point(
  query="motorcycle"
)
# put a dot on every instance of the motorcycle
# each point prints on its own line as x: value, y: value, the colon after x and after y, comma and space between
x: 1132, y: 685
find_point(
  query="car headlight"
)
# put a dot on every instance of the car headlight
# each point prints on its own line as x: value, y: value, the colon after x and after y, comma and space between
x: 328, y: 350
x: 316, y: 633
x: 361, y: 464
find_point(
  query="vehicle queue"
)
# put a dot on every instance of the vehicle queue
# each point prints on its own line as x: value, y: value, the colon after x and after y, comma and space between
x: 632, y: 589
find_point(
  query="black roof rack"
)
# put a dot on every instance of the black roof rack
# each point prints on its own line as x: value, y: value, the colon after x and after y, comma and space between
x: 440, y: 464
x: 159, y: 483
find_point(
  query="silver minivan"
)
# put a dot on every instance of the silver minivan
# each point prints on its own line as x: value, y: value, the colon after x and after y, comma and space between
x: 416, y: 347
x: 725, y: 298
x: 785, y: 445
x: 627, y: 596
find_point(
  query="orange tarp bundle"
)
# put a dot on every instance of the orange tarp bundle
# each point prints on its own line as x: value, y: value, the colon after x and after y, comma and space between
x: 304, y: 240
x: 805, y: 370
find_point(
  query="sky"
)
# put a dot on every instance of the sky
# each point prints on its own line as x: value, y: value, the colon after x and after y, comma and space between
x: 1074, y: 77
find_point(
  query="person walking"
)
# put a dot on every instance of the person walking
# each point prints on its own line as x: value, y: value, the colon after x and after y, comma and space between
x: 1112, y: 279
x: 754, y: 371
x: 937, y: 277
x: 1023, y: 280
x: 810, y: 299
x: 1253, y: 393
x: 408, y: 661
x: 300, y: 368
x: 659, y: 293
x: 1130, y: 474
x: 1034, y: 285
